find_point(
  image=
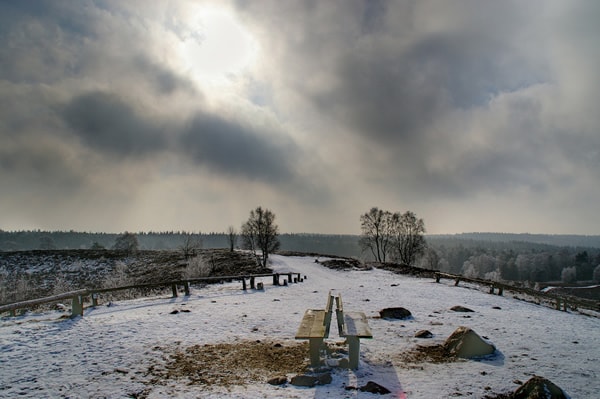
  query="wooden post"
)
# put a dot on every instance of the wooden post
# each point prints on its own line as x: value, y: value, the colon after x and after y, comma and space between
x: 492, y: 289
x: 354, y: 352
x: 244, y: 283
x: 500, y: 291
x: 186, y: 287
x: 437, y: 277
x: 557, y: 303
x: 314, y: 345
x: 94, y: 299
x: 290, y: 278
x: 77, y: 306
x: 276, y: 279
x: 252, y: 286
x: 260, y: 286
x: 456, y: 282
x: 565, y: 305
x: 174, y: 289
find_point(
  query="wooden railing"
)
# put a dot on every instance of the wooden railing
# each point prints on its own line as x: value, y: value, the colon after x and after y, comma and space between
x: 559, y: 302
x: 78, y: 296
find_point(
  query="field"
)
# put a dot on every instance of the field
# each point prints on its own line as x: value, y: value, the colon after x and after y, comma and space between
x: 224, y: 342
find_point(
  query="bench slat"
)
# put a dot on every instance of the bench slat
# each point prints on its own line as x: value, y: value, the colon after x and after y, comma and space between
x: 312, y: 325
x: 356, y: 325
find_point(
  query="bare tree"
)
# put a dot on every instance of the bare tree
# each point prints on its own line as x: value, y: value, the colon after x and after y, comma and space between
x: 190, y: 246
x: 376, y: 233
x: 408, y: 240
x: 231, y: 237
x: 261, y: 233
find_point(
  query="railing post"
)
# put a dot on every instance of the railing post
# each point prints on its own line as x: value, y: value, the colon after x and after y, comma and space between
x: 186, y: 287
x: 174, y: 289
x: 244, y: 283
x: 94, y: 299
x: 252, y: 286
x: 276, y: 279
x: 77, y: 306
x: 437, y: 277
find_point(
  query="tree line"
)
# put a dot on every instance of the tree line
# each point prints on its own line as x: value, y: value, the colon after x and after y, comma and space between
x: 385, y: 237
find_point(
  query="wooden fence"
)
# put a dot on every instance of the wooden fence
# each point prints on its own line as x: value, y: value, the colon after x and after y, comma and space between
x: 78, y: 296
x: 559, y: 302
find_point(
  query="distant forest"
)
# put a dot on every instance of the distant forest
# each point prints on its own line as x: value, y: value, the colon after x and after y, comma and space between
x: 495, y: 256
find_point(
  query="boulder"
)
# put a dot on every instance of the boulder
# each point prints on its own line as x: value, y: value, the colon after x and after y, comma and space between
x: 466, y: 343
x: 305, y: 380
x: 371, y: 387
x: 395, y: 313
x: 460, y: 309
x: 423, y: 334
x: 539, y: 388
x: 279, y: 380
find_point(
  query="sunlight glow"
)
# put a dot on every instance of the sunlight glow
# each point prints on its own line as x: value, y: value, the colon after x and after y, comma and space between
x: 218, y: 48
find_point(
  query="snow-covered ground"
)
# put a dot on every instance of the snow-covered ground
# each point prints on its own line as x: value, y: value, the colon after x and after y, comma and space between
x: 107, y: 353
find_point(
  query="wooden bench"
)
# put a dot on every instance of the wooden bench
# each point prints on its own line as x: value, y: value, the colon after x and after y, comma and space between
x: 353, y: 326
x: 315, y: 327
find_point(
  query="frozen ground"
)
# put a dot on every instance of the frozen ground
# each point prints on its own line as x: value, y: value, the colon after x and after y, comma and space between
x: 107, y: 353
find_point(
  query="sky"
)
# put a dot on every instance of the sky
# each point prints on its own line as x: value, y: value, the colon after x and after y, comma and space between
x: 185, y: 115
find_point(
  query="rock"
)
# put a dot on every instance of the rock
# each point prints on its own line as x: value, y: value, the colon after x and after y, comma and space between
x: 371, y: 387
x: 344, y: 363
x: 374, y: 387
x: 423, y: 334
x: 460, y: 309
x: 466, y: 343
x: 395, y: 313
x: 279, y: 380
x: 175, y: 311
x: 324, y: 378
x: 539, y: 388
x: 304, y: 380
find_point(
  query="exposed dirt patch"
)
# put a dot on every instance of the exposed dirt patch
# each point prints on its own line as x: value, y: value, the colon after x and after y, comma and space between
x: 429, y: 354
x: 228, y: 364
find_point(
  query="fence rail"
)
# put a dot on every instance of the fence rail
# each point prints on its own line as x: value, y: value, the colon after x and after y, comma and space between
x: 560, y: 302
x: 77, y: 297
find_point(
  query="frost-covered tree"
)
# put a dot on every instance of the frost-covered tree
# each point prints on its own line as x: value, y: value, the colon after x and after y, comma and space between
x: 596, y: 276
x: 126, y: 242
x: 569, y: 274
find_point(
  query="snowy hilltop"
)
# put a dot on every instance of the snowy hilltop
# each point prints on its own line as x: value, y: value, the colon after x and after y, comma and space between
x: 222, y: 341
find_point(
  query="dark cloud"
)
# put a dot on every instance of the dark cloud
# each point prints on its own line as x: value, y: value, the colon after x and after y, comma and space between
x: 234, y: 149
x: 107, y: 123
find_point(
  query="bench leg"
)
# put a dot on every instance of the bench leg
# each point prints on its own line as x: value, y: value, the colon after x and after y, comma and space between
x: 354, y: 352
x: 314, y: 351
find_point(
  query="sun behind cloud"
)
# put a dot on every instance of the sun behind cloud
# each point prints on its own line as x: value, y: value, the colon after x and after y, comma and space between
x: 217, y: 47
